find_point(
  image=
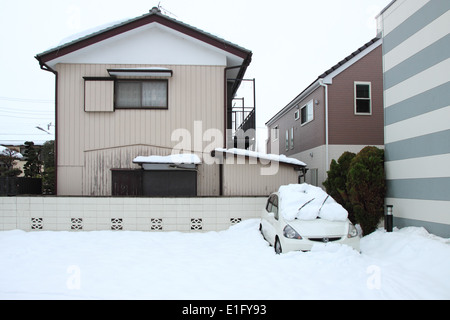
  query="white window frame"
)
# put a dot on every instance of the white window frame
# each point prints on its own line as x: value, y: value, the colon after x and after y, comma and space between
x: 287, y: 140
x: 355, y: 98
x: 297, y: 114
x: 275, y: 131
x: 291, y: 140
x: 309, y: 113
x: 139, y: 95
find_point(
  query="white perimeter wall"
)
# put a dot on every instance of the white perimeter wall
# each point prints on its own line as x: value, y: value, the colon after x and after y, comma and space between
x: 133, y: 214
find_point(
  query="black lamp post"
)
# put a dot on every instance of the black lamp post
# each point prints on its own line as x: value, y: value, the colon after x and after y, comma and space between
x: 388, y: 218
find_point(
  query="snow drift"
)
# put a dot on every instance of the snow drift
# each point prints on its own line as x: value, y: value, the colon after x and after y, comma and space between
x: 228, y: 265
x: 307, y: 202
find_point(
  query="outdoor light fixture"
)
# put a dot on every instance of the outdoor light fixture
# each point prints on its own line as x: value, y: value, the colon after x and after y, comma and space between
x: 388, y: 218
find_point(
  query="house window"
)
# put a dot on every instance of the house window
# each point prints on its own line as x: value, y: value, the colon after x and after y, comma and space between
x: 287, y: 140
x: 307, y: 112
x: 141, y: 94
x: 292, y: 138
x: 363, y: 104
x: 275, y: 133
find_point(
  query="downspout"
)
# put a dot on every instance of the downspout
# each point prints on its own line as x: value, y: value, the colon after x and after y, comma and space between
x: 45, y: 67
x: 225, y: 93
x: 225, y: 117
x: 327, y: 162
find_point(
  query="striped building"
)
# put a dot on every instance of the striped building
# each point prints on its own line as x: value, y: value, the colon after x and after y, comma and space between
x: 416, y: 68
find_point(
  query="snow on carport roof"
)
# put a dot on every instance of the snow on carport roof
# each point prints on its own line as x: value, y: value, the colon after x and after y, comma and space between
x: 265, y: 156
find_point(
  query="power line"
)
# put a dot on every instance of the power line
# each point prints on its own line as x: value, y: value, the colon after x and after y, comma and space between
x: 27, y: 100
x: 44, y: 117
x: 30, y: 112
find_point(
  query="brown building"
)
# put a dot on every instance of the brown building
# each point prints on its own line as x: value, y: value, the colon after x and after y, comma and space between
x: 342, y: 110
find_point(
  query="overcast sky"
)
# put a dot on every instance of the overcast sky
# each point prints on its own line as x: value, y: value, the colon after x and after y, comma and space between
x: 293, y: 41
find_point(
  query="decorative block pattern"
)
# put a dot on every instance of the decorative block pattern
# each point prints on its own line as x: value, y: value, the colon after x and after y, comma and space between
x: 116, y: 224
x: 196, y: 214
x: 196, y: 224
x: 235, y: 220
x: 77, y: 224
x: 156, y: 224
x: 36, y: 223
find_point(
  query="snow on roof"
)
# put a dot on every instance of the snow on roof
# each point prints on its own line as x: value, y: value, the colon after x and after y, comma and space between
x: 173, y: 158
x: 307, y: 202
x: 265, y: 156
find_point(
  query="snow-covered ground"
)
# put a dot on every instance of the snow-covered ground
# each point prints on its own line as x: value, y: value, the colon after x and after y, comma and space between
x: 232, y: 264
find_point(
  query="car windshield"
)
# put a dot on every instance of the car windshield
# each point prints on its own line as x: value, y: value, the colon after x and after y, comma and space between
x: 306, y: 202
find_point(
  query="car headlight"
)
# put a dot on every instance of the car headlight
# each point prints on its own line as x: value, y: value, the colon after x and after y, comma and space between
x: 352, y: 231
x: 290, y: 233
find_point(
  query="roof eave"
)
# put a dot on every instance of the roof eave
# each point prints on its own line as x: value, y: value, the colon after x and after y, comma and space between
x: 143, y: 20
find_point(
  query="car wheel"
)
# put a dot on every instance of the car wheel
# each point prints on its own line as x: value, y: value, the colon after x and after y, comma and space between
x: 277, y: 246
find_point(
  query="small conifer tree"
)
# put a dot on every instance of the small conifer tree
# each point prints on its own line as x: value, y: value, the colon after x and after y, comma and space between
x: 367, y: 187
x: 336, y: 182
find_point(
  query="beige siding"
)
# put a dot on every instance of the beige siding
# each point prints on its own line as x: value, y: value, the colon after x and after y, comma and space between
x: 97, y: 174
x: 99, y: 96
x: 196, y: 99
x: 247, y: 178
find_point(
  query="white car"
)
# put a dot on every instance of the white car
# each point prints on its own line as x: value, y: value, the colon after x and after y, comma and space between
x: 299, y: 234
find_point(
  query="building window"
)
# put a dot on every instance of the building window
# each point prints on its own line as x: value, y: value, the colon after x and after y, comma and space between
x: 275, y: 133
x: 287, y: 139
x: 363, y: 104
x: 297, y: 115
x: 292, y: 138
x: 141, y: 94
x: 307, y: 112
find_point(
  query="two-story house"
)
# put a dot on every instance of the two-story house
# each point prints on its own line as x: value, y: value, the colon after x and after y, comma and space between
x: 131, y: 95
x: 342, y: 110
x: 135, y: 89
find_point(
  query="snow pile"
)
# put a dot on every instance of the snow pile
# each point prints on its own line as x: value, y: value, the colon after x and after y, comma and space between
x: 263, y: 156
x: 307, y: 202
x: 229, y: 265
x: 173, y: 158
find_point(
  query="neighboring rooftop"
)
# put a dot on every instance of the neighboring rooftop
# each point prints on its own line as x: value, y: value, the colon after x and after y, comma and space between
x: 329, y: 74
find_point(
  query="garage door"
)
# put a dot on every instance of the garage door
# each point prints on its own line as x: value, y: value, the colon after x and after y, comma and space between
x: 175, y: 183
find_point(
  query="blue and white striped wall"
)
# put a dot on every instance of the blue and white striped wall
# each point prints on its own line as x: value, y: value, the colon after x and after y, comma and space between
x: 416, y: 63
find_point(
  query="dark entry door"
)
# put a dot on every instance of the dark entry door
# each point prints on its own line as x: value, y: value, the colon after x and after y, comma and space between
x: 127, y: 182
x: 170, y: 183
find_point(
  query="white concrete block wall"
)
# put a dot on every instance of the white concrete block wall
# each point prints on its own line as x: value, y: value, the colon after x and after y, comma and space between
x: 132, y: 214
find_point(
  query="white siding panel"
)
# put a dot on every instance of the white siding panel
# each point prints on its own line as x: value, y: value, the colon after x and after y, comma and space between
x: 436, y: 30
x: 394, y: 17
x: 426, y: 210
x: 421, y: 82
x: 427, y: 123
x: 417, y: 168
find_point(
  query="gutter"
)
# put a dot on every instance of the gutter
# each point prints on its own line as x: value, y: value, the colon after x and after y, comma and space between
x: 45, y: 67
x: 327, y: 162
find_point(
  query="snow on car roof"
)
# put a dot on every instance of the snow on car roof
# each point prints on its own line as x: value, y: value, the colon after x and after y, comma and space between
x: 307, y: 202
